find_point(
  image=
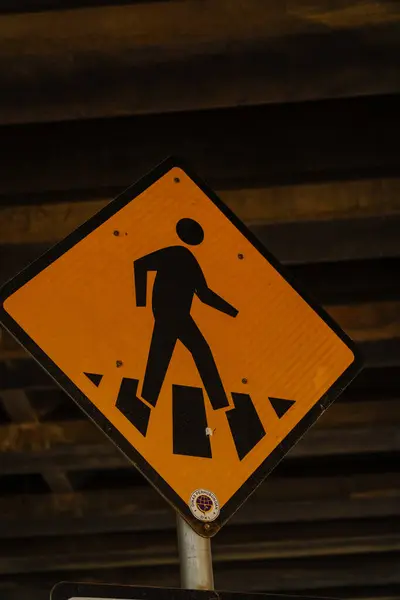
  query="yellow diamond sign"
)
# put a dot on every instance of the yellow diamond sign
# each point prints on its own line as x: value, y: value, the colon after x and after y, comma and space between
x: 174, y: 329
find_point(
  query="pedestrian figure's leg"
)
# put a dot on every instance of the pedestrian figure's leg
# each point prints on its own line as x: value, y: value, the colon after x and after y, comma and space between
x: 191, y: 336
x: 162, y: 346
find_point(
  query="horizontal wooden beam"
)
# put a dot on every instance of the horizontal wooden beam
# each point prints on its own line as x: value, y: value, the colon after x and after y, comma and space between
x: 233, y: 148
x: 346, y: 428
x: 350, y: 281
x: 382, y: 353
x: 293, y: 221
x: 294, y: 244
x: 278, y: 500
x: 169, y: 56
x: 23, y: 6
x: 280, y: 575
x: 366, y: 323
x: 320, y: 201
x: 233, y: 545
x: 331, y: 241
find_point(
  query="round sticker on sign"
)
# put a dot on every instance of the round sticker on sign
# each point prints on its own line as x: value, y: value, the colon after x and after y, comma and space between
x: 204, y: 505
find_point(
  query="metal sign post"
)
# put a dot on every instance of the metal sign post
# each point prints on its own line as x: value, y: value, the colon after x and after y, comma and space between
x: 195, y: 558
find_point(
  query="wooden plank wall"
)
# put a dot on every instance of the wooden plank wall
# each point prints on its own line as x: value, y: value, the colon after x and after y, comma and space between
x: 290, y: 110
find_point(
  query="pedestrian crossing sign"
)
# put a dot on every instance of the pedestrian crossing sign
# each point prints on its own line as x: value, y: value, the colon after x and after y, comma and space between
x: 186, y: 342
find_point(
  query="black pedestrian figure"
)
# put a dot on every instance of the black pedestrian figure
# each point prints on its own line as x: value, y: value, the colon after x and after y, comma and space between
x: 179, y: 277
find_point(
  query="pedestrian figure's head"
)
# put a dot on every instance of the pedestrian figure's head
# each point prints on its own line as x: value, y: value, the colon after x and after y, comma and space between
x: 190, y: 231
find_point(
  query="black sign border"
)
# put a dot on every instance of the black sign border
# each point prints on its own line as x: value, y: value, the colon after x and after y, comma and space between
x: 90, y: 409
x: 68, y: 590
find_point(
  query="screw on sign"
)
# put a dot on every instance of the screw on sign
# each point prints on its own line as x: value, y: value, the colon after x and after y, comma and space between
x: 187, y: 343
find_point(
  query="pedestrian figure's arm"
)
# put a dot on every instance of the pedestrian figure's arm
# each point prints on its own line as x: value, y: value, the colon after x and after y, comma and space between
x: 207, y: 296
x: 141, y: 266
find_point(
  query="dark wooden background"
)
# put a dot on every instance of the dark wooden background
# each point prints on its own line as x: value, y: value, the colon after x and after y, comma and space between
x: 290, y: 110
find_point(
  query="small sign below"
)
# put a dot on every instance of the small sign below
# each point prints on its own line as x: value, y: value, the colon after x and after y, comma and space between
x: 88, y: 591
